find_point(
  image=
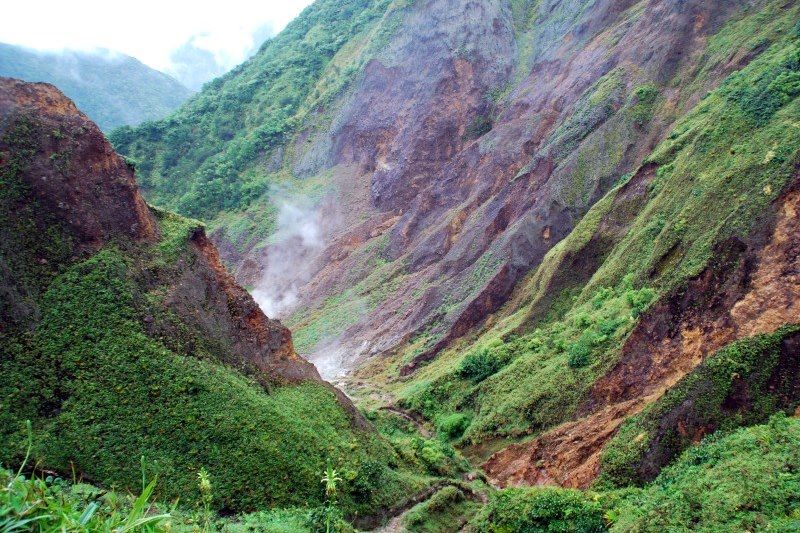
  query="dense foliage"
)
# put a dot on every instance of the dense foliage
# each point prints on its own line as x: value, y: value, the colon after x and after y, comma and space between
x: 100, y: 391
x: 200, y: 161
x: 51, y: 504
x: 549, y: 510
x: 748, y: 480
x: 112, y: 89
x: 745, y: 481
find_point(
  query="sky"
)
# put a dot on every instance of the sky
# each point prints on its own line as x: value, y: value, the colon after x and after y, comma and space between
x: 185, y: 38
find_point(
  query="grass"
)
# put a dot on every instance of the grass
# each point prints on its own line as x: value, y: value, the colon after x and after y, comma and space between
x: 50, y: 504
x: 748, y: 480
x: 742, y: 384
x: 100, y: 390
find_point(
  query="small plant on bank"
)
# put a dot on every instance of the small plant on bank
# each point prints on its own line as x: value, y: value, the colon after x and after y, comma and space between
x: 206, y: 496
x: 330, y: 478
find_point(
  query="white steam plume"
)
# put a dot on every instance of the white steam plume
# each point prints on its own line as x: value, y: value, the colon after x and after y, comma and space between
x: 290, y: 260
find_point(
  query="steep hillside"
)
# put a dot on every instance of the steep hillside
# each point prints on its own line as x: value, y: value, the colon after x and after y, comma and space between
x: 553, y: 230
x: 123, y: 336
x: 441, y: 151
x: 113, y: 89
x: 743, y: 481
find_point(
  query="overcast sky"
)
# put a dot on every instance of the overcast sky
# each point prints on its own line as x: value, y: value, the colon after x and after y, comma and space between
x: 165, y: 34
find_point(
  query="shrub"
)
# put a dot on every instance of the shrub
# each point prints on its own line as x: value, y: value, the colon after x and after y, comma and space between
x: 479, y: 365
x: 639, y: 299
x: 540, y: 510
x: 453, y: 425
x: 369, y: 479
x: 435, y: 455
x: 578, y: 355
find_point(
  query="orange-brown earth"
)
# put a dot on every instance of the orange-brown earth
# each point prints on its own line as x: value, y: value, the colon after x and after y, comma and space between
x: 752, y: 288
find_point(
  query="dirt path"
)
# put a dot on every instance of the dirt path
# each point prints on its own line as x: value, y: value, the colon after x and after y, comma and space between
x: 395, y: 514
x: 410, y: 417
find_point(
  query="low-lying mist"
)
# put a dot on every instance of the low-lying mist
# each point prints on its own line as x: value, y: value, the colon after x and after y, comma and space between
x: 290, y: 260
x: 291, y: 257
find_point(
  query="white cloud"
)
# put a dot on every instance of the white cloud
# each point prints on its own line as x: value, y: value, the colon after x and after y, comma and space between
x: 149, y: 30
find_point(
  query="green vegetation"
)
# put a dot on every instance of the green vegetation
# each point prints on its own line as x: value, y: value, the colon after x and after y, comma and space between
x: 100, y: 390
x: 50, y: 504
x: 742, y: 384
x: 433, y: 455
x: 540, y: 510
x: 444, y: 512
x: 112, y: 89
x: 202, y: 159
x: 746, y: 481
x: 518, y: 384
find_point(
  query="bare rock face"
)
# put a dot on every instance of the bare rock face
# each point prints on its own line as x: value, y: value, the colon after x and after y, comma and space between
x: 208, y: 298
x: 469, y: 186
x: 72, y: 172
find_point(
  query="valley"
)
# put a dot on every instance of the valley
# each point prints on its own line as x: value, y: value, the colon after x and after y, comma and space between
x: 485, y: 266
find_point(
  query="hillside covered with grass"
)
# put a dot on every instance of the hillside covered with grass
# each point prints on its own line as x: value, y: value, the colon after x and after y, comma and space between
x: 127, y: 340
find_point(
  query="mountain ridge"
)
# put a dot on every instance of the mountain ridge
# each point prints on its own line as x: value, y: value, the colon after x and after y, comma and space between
x: 113, y: 89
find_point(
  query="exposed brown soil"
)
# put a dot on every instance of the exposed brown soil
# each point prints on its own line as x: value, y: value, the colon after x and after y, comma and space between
x: 75, y: 175
x: 750, y: 288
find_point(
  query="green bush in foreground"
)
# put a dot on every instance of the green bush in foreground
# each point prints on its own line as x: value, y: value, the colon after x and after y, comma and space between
x: 745, y: 481
x: 52, y: 505
x: 542, y: 510
x: 479, y: 365
x: 49, y: 504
